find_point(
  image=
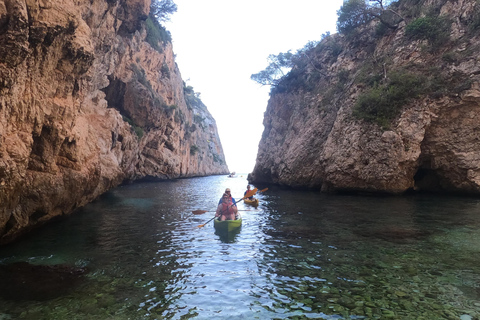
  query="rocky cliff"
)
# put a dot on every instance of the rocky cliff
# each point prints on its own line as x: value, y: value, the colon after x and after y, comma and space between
x: 90, y: 97
x: 382, y: 109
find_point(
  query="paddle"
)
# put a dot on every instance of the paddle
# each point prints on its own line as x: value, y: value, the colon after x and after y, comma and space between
x: 200, y: 211
x: 203, y: 211
x: 203, y: 225
x: 249, y: 194
x: 197, y: 212
x: 263, y: 190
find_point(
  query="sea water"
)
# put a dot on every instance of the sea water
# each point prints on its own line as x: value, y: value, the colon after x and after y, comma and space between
x: 298, y: 255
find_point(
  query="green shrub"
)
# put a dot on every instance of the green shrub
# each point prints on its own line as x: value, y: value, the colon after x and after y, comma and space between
x: 156, y: 34
x: 165, y: 70
x: 137, y: 129
x: 381, y: 30
x: 352, y: 14
x: 474, y: 22
x: 216, y: 158
x: 192, y: 98
x: 336, y: 48
x: 188, y: 89
x: 191, y: 127
x: 198, y: 118
x: 434, y: 29
x: 141, y: 77
x: 194, y: 149
x: 179, y: 116
x: 370, y: 74
x: 382, y: 103
x: 328, y: 97
x: 343, y: 76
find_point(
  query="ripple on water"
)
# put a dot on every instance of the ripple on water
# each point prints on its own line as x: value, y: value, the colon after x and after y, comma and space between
x: 299, y: 255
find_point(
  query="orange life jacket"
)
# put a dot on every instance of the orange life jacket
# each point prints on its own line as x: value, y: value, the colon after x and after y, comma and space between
x: 227, y: 208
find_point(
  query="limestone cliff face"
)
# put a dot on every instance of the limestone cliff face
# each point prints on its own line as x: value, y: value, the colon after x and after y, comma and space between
x: 86, y: 103
x: 313, y: 139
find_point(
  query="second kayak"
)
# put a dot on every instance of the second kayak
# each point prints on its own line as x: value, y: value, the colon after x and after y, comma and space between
x: 253, y: 202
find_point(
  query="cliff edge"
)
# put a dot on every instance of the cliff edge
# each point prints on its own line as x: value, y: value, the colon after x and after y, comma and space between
x: 90, y: 97
x: 381, y: 110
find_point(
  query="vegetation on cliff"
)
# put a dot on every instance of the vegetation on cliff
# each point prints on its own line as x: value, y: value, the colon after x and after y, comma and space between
x: 160, y: 11
x: 387, y: 87
x: 388, y: 104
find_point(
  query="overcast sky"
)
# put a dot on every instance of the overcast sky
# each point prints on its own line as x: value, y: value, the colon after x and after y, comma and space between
x: 220, y: 43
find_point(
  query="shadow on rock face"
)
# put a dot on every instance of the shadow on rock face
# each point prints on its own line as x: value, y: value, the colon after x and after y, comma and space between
x: 24, y: 281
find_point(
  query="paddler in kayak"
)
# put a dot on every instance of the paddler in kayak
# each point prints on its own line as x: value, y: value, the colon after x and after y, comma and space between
x: 248, y: 190
x: 227, y: 191
x: 226, y: 210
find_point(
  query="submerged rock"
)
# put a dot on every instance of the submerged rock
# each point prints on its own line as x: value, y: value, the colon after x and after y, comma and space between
x: 25, y: 281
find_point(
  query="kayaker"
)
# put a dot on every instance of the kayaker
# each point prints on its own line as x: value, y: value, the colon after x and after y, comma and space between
x: 226, y: 210
x: 227, y: 191
x: 248, y: 190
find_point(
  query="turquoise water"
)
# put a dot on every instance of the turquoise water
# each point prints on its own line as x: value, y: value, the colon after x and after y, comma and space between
x: 299, y: 255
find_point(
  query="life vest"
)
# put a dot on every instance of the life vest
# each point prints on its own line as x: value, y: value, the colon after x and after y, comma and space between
x: 227, y: 208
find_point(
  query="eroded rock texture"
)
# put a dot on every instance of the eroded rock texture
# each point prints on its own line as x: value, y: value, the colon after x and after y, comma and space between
x: 86, y: 103
x: 313, y: 139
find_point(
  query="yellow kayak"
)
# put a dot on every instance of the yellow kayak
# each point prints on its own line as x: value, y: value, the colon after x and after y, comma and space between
x: 253, y: 202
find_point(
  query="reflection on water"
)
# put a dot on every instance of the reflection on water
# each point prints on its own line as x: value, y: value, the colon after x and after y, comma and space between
x: 299, y: 255
x: 228, y: 236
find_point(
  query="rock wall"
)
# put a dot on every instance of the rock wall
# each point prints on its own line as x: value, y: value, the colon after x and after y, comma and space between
x: 86, y: 103
x: 313, y: 139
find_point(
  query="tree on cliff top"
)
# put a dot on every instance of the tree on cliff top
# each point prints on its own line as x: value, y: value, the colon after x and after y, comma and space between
x: 355, y: 13
x: 281, y: 65
x: 162, y: 9
x: 278, y: 66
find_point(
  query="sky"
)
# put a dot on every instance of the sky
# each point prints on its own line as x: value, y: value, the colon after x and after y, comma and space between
x: 219, y: 44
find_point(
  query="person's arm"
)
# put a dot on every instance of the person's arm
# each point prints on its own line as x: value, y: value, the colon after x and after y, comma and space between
x: 218, y: 212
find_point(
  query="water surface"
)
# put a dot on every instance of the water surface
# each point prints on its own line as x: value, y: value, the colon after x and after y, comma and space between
x: 299, y: 255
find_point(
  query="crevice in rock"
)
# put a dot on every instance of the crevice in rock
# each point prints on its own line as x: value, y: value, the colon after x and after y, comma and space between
x: 68, y: 150
x: 10, y: 224
x: 115, y: 93
x: 41, y: 150
x: 37, y: 215
x: 428, y: 179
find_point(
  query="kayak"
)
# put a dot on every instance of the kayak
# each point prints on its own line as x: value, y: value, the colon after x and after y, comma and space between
x: 253, y: 202
x: 227, y: 225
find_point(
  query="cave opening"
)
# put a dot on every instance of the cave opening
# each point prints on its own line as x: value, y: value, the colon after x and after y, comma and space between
x: 115, y: 93
x: 427, y: 180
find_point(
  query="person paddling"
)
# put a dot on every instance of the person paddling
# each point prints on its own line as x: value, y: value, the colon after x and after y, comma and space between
x: 226, y: 210
x: 227, y: 191
x: 248, y: 190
